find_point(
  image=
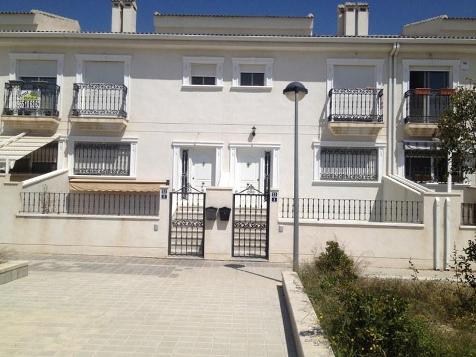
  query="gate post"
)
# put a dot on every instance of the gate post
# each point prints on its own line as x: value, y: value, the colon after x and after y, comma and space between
x: 161, y: 228
x: 274, y: 239
x: 218, y: 233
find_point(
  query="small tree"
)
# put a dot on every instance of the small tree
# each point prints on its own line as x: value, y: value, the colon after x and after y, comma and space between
x: 457, y: 132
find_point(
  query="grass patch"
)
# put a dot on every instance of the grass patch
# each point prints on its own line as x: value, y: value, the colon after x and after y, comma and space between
x: 389, y: 317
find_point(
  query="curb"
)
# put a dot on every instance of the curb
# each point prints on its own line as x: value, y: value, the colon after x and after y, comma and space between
x: 13, y: 270
x: 308, y: 334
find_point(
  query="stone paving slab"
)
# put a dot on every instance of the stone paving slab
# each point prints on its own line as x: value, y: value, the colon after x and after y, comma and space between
x: 113, y: 306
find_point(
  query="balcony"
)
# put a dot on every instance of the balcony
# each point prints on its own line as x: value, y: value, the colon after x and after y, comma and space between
x: 356, y: 111
x: 423, y: 109
x: 31, y: 106
x: 99, y: 107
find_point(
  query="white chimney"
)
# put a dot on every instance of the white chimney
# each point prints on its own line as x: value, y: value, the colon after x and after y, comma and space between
x: 353, y: 19
x: 124, y: 16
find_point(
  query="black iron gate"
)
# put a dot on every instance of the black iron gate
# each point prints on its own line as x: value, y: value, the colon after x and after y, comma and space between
x: 250, y: 224
x: 187, y: 222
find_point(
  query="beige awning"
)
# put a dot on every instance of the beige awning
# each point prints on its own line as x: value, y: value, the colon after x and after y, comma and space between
x: 80, y: 185
x: 13, y: 148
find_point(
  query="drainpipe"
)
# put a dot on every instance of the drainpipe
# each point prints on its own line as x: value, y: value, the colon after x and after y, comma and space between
x: 392, y: 120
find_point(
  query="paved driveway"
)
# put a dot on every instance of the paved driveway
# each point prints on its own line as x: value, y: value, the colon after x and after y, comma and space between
x: 110, y: 306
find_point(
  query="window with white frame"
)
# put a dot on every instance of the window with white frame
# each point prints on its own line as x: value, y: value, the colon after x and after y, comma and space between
x: 349, y: 164
x: 355, y: 90
x: 355, y: 162
x: 203, y: 71
x: 252, y: 72
x: 92, y: 158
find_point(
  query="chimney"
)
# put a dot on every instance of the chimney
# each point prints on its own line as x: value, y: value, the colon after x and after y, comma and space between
x: 353, y: 19
x: 124, y: 16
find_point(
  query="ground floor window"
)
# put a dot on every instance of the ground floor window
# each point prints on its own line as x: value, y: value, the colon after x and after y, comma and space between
x: 40, y: 161
x: 102, y: 159
x: 427, y: 166
x: 349, y: 164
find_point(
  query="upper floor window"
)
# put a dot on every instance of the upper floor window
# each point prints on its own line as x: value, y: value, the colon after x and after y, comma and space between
x: 34, y: 86
x: 427, y: 86
x: 203, y: 74
x: 354, y: 89
x: 102, y: 86
x: 253, y: 72
x: 104, y: 158
x: 203, y: 71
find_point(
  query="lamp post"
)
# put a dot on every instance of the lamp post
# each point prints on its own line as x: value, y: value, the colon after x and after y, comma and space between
x: 296, y: 91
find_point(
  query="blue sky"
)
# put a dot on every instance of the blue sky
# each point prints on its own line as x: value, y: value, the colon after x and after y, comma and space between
x: 386, y: 17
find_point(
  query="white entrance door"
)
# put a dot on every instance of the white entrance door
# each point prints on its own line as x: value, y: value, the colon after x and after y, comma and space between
x: 202, y: 167
x: 249, y: 169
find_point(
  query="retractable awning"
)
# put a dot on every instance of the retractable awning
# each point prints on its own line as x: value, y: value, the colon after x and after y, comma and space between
x: 13, y: 148
x: 86, y: 185
x: 420, y: 145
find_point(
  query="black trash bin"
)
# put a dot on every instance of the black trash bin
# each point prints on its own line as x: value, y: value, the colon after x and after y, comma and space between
x: 210, y: 213
x: 224, y: 213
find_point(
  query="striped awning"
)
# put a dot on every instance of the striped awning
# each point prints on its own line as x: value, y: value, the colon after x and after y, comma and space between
x: 13, y: 148
x: 420, y: 145
x: 87, y: 185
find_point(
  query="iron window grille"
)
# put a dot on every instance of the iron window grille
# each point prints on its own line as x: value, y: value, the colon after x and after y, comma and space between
x: 468, y: 214
x: 100, y: 99
x: 425, y: 106
x: 356, y: 105
x: 102, y: 159
x: 35, y: 98
x: 349, y: 164
x: 252, y: 79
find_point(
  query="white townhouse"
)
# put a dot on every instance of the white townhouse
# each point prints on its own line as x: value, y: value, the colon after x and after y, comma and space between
x: 180, y: 141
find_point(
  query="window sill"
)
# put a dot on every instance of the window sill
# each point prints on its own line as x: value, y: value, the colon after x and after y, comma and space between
x: 251, y: 88
x: 345, y: 183
x: 191, y: 87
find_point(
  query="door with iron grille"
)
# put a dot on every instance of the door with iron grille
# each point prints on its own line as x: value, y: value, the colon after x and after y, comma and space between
x: 250, y: 234
x: 187, y: 222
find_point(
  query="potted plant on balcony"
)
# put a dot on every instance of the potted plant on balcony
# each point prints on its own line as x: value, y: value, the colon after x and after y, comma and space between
x: 422, y: 91
x: 447, y: 91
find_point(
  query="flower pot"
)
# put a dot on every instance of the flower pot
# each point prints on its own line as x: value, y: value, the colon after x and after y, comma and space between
x: 422, y: 91
x: 224, y: 213
x: 447, y: 91
x: 210, y: 213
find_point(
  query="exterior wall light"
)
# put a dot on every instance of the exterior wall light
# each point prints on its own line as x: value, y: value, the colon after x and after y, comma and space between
x: 253, y: 131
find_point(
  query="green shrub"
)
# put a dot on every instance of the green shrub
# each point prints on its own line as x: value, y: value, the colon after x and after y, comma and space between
x: 335, y: 261
x: 388, y: 317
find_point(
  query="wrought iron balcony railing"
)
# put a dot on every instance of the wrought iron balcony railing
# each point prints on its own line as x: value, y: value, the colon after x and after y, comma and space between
x: 99, y: 99
x: 356, y: 105
x: 424, y: 105
x: 32, y: 99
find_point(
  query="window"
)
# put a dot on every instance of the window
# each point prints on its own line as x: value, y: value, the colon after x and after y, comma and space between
x: 251, y: 79
x: 40, y: 161
x: 252, y: 72
x: 349, y: 164
x: 203, y: 71
x: 102, y: 159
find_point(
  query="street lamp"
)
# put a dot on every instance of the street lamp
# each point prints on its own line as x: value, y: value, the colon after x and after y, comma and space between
x: 296, y: 91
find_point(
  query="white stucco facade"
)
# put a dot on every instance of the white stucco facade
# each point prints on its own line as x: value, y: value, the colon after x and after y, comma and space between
x: 227, y: 128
